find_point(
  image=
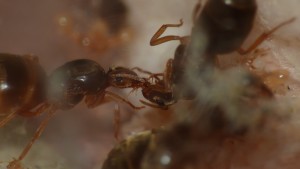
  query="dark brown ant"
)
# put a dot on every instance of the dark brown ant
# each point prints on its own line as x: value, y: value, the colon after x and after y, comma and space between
x: 225, y: 25
x: 27, y: 91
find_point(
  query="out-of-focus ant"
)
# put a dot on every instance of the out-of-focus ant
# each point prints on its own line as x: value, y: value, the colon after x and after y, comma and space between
x: 130, y: 152
x: 98, y: 25
x: 26, y: 90
x: 225, y: 25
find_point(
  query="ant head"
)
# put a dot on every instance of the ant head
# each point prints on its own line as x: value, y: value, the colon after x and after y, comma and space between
x: 121, y: 77
x: 158, y: 95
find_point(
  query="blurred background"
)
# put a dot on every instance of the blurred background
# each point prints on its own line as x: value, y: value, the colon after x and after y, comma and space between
x: 115, y: 32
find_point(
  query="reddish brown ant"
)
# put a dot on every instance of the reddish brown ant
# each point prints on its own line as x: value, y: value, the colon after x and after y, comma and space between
x: 156, y: 92
x: 27, y: 91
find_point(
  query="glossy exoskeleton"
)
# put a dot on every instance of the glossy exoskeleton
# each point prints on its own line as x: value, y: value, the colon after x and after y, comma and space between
x: 225, y: 23
x: 27, y: 91
x: 220, y: 28
x: 22, y: 84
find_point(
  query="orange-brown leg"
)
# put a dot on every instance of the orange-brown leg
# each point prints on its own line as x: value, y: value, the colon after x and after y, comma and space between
x: 117, y: 122
x: 263, y: 37
x: 151, y: 75
x: 95, y: 100
x: 117, y: 97
x: 155, y: 76
x: 8, y: 118
x: 37, y: 112
x: 156, y: 40
x: 15, y: 164
x: 142, y: 70
x: 154, y: 105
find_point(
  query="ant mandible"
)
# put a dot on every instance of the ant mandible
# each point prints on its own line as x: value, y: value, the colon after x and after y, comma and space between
x: 26, y: 90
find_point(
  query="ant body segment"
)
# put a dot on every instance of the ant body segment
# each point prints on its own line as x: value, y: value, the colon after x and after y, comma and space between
x: 27, y: 91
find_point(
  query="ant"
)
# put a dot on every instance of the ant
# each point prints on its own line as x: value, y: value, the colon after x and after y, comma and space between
x: 225, y: 25
x: 222, y: 38
x: 26, y: 90
x: 153, y: 92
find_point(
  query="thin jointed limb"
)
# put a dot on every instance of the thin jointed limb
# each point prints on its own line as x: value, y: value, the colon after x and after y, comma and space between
x: 8, y: 118
x: 156, y: 39
x: 16, y: 163
x: 154, y: 105
x: 151, y: 75
x: 263, y: 37
x: 117, y: 97
x: 117, y: 122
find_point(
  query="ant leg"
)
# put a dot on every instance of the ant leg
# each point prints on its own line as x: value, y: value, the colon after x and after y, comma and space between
x: 263, y: 37
x: 154, y: 105
x: 151, y: 75
x: 155, y: 76
x: 146, y: 72
x: 13, y: 114
x: 94, y: 100
x: 16, y: 163
x: 142, y: 70
x: 97, y: 99
x: 156, y: 40
x: 117, y: 97
x: 38, y: 111
x: 8, y: 118
x: 117, y: 117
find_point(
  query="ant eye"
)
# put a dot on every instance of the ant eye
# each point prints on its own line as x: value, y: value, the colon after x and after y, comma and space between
x: 119, y: 80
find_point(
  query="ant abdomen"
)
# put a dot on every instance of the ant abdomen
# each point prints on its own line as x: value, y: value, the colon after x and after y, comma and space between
x: 22, y: 82
x: 226, y: 23
x: 71, y: 82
